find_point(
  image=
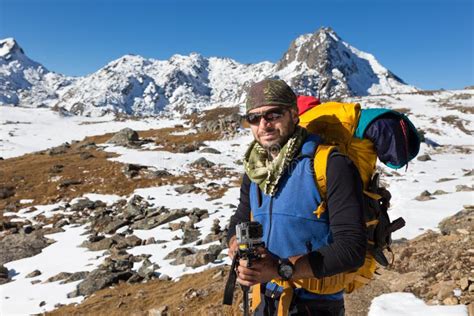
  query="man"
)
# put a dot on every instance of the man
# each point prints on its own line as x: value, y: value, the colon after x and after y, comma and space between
x: 279, y: 190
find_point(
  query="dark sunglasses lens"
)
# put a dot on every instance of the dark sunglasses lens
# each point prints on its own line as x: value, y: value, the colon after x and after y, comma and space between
x: 253, y: 118
x: 273, y: 115
x: 270, y: 116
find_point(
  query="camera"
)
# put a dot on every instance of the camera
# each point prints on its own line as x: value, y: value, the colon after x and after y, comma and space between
x: 249, y: 239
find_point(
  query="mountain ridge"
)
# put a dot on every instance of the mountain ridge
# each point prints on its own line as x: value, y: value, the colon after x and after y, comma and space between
x: 319, y: 64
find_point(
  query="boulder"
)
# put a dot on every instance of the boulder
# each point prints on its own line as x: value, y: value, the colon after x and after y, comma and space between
x: 58, y: 277
x: 165, y: 217
x: 19, y: 246
x: 202, y: 163
x: 97, y: 280
x: 125, y: 137
x: 76, y: 276
x: 209, y: 150
x: 187, y: 188
x: 33, y: 274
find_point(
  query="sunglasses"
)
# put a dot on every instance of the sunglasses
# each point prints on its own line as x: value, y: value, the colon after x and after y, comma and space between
x: 269, y: 116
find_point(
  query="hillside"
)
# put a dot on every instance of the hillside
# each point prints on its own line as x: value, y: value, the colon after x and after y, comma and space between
x: 112, y: 218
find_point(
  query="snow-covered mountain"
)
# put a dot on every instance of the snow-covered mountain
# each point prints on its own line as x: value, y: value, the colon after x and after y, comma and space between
x: 323, y: 64
x: 25, y: 82
x: 317, y: 64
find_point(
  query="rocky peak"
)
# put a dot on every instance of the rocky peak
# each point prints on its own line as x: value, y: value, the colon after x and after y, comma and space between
x: 310, y: 49
x: 322, y: 64
x: 9, y: 48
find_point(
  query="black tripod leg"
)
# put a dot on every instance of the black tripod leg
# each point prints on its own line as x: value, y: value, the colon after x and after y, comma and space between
x: 245, y: 290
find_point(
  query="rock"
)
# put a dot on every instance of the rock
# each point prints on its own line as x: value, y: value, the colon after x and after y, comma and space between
x: 445, y: 180
x: 450, y: 301
x: 61, y: 223
x: 97, y: 280
x: 42, y: 303
x: 423, y: 158
x: 216, y: 228
x: 76, y: 276
x: 33, y: 274
x: 59, y: 150
x: 56, y: 169
x: 35, y: 282
x: 462, y: 231
x: 114, y: 225
x: 464, y: 188
x: 159, y: 311
x: 464, y: 284
x: 151, y: 222
x: 439, y: 192
x: 187, y: 148
x: 199, y: 213
x: 424, y: 196
x: 82, y: 204
x: 4, y: 276
x: 209, y: 150
x: 227, y: 124
x: 445, y: 290
x: 6, y: 192
x: 158, y: 174
x: 469, y: 173
x: 202, y: 257
x: 147, y: 270
x: 202, y: 163
x: 102, y: 244
x: 132, y: 170
x: 471, y: 288
x: 86, y: 155
x: 190, y: 235
x: 133, y: 241
x: 19, y: 246
x: 125, y: 137
x: 150, y: 241
x: 88, y: 145
x: 68, y: 182
x: 136, y: 206
x: 187, y: 188
x: 176, y: 226
x: 58, y: 277
x: 463, y: 220
x: 179, y: 254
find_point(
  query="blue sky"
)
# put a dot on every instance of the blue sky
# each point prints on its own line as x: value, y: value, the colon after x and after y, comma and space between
x: 428, y: 43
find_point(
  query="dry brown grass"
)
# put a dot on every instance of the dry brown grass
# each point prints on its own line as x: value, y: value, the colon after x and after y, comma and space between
x: 32, y: 178
x: 139, y: 299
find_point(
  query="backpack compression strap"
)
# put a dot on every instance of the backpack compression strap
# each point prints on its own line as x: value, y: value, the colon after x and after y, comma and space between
x: 320, y: 167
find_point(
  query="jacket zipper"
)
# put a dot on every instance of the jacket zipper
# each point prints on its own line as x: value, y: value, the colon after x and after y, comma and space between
x: 270, y: 228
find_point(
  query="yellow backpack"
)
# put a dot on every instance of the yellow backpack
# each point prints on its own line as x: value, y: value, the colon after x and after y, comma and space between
x: 342, y: 125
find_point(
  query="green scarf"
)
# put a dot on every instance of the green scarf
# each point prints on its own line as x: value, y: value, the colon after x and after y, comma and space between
x: 267, y: 172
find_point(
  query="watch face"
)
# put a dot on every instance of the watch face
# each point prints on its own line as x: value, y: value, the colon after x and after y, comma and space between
x: 285, y: 271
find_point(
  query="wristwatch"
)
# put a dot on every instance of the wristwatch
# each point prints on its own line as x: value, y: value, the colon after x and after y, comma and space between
x: 285, y: 269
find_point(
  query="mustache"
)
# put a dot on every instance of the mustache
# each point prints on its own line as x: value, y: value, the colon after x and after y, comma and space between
x: 267, y: 130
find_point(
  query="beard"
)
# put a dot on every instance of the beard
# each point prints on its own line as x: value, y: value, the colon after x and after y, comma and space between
x: 272, y: 139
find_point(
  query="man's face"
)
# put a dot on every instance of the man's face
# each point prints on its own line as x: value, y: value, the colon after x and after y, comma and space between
x: 273, y: 133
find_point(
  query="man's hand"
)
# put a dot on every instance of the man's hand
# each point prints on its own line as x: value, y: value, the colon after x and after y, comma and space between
x: 262, y: 270
x: 233, y: 246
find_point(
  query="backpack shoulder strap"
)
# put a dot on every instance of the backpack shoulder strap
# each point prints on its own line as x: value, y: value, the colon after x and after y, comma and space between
x: 320, y: 163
